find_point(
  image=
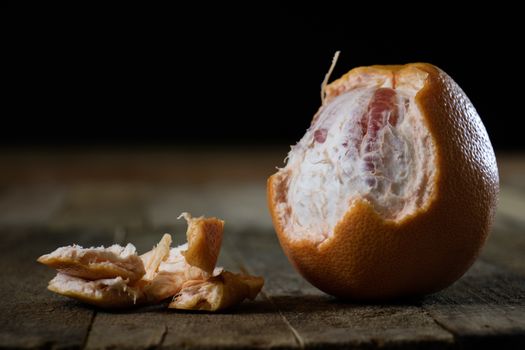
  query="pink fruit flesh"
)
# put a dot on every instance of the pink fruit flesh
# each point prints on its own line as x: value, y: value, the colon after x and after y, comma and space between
x: 369, y: 143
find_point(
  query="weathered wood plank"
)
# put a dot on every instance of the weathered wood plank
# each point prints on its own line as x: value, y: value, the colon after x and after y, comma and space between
x: 133, y: 329
x: 31, y: 316
x: 512, y: 202
x: 322, y: 321
x: 29, y: 205
x: 101, y: 205
x: 160, y: 165
x: 512, y: 170
x: 254, y: 324
x: 484, y: 308
x: 505, y: 246
x: 239, y: 204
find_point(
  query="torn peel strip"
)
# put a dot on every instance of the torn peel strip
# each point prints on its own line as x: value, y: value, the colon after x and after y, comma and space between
x: 217, y: 293
x: 204, y: 236
x: 106, y: 293
x: 96, y: 263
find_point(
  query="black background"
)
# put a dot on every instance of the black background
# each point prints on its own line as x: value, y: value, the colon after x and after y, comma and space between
x: 234, y: 75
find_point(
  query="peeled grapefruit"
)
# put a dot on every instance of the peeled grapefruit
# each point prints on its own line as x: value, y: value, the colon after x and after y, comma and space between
x: 392, y: 190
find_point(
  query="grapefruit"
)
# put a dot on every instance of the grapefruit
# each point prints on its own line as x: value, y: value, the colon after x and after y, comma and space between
x: 392, y: 190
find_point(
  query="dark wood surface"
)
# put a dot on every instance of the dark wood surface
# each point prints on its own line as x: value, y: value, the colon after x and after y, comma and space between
x: 90, y: 198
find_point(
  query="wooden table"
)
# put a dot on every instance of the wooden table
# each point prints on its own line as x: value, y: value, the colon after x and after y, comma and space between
x: 50, y: 199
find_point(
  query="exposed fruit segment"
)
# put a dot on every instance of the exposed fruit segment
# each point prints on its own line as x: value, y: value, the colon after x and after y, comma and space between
x: 395, y: 172
x: 369, y: 142
x: 382, y: 111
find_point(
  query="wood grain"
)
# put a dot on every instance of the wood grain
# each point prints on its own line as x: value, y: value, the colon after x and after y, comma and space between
x: 319, y: 320
x: 105, y: 206
x: 253, y: 324
x: 50, y: 200
x: 506, y: 244
x: 33, y: 317
x: 30, y: 205
x: 484, y: 308
x: 142, y: 328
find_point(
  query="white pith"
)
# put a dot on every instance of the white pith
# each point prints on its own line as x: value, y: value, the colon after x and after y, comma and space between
x: 321, y: 180
x: 97, y: 290
x: 199, y: 292
x: 114, y: 253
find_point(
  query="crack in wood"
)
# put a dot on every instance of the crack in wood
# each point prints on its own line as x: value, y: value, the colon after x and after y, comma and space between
x: 441, y: 325
x: 162, y: 337
x: 298, y: 339
x: 88, y: 332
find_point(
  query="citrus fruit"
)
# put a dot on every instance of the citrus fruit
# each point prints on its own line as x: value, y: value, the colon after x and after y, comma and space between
x: 392, y: 190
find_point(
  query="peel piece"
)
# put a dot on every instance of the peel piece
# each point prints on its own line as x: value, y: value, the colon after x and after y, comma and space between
x: 204, y: 237
x: 171, y: 274
x: 96, y: 263
x: 105, y: 293
x: 217, y: 293
x: 156, y: 256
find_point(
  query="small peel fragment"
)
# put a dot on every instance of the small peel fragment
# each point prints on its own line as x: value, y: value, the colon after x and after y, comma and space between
x: 204, y: 237
x: 156, y: 256
x: 105, y: 293
x: 171, y: 274
x: 96, y: 263
x: 217, y: 293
